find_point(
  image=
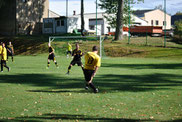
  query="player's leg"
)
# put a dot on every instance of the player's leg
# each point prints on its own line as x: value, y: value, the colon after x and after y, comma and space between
x: 79, y: 63
x: 67, y: 54
x: 69, y: 67
x: 1, y: 65
x: 12, y: 57
x: 48, y: 63
x: 88, y: 78
x: 54, y: 59
x: 4, y: 63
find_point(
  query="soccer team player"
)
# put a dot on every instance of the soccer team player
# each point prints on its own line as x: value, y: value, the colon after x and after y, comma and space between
x: 3, y: 57
x: 92, y: 64
x: 69, y: 50
x: 10, y: 51
x: 51, y: 56
x: 77, y: 53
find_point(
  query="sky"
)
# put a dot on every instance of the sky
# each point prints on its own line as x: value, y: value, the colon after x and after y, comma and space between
x: 59, y: 6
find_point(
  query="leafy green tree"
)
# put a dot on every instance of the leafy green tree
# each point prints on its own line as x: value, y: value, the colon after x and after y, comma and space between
x: 178, y: 28
x: 117, y: 14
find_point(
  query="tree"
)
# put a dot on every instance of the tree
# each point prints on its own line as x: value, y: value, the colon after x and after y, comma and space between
x: 117, y: 11
x: 119, y: 21
x: 178, y: 13
x: 178, y: 28
x: 82, y: 17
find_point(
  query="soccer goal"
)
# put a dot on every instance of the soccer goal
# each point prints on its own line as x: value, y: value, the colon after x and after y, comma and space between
x: 60, y: 48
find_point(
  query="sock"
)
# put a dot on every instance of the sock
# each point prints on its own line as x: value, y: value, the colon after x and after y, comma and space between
x: 56, y: 64
x: 48, y: 64
x: 69, y: 68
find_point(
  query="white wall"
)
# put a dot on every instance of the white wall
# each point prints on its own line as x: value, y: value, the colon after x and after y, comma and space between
x: 158, y: 15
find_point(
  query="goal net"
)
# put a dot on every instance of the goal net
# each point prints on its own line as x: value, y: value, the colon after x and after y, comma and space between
x: 60, y: 43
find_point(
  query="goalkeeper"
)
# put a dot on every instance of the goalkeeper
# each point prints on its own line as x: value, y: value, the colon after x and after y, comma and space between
x: 77, y: 53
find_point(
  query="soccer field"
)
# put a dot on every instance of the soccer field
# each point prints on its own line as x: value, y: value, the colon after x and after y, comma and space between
x: 130, y: 89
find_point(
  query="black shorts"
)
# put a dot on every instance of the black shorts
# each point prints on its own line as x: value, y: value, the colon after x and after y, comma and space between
x: 88, y: 74
x: 68, y: 52
x: 51, y: 57
x: 78, y: 62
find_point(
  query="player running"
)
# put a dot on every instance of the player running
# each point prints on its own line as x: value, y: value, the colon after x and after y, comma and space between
x: 4, y: 58
x: 77, y: 53
x: 51, y: 56
x: 92, y: 64
x: 69, y: 50
x: 10, y: 51
x: 1, y: 48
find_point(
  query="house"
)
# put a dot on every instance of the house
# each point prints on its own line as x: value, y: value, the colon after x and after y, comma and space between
x: 23, y: 16
x: 154, y: 17
x: 74, y: 22
x: 59, y: 25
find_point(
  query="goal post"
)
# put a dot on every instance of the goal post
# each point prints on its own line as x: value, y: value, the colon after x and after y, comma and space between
x: 82, y: 38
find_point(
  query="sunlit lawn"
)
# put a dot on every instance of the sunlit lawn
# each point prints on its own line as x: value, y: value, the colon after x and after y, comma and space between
x: 131, y: 89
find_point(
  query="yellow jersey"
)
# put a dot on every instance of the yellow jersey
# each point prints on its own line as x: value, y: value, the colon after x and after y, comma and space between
x: 92, y: 60
x: 4, y: 54
x: 69, y: 47
x: 1, y: 49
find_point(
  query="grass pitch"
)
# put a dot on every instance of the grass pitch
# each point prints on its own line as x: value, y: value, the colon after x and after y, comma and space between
x: 131, y: 89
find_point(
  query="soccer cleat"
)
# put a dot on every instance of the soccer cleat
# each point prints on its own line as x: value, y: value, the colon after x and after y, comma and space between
x: 57, y: 67
x: 47, y: 67
x: 86, y: 88
x: 1, y: 71
x: 67, y: 73
x: 96, y: 90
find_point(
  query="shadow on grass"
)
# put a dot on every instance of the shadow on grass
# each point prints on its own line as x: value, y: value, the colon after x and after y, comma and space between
x: 69, y: 117
x: 106, y: 83
x: 145, y: 66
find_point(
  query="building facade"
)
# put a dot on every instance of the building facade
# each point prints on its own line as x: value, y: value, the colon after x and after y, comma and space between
x: 23, y: 16
x: 155, y: 17
x: 55, y: 25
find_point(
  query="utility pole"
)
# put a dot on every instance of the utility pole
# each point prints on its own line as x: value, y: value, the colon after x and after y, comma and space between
x: 96, y: 17
x: 165, y: 23
x: 129, y: 18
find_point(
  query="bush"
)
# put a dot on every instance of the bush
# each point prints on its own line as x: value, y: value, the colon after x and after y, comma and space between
x: 178, y: 28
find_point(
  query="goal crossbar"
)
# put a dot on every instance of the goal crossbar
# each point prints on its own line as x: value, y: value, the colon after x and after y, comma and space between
x: 51, y: 39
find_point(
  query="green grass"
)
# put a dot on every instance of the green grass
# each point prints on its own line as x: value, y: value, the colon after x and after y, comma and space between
x: 131, y: 89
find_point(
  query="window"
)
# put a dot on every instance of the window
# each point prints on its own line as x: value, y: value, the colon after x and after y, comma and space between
x: 164, y: 23
x: 62, y: 22
x: 92, y: 27
x: 24, y: 1
x: 58, y: 23
x: 152, y: 22
x: 156, y: 22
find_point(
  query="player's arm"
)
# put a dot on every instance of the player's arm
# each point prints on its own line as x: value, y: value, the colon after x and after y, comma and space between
x: 13, y: 50
x: 9, y: 50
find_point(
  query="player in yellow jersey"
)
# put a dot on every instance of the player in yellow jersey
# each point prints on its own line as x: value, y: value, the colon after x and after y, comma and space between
x: 1, y: 48
x: 69, y: 50
x: 51, y: 56
x: 10, y: 51
x: 4, y: 58
x: 92, y: 64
